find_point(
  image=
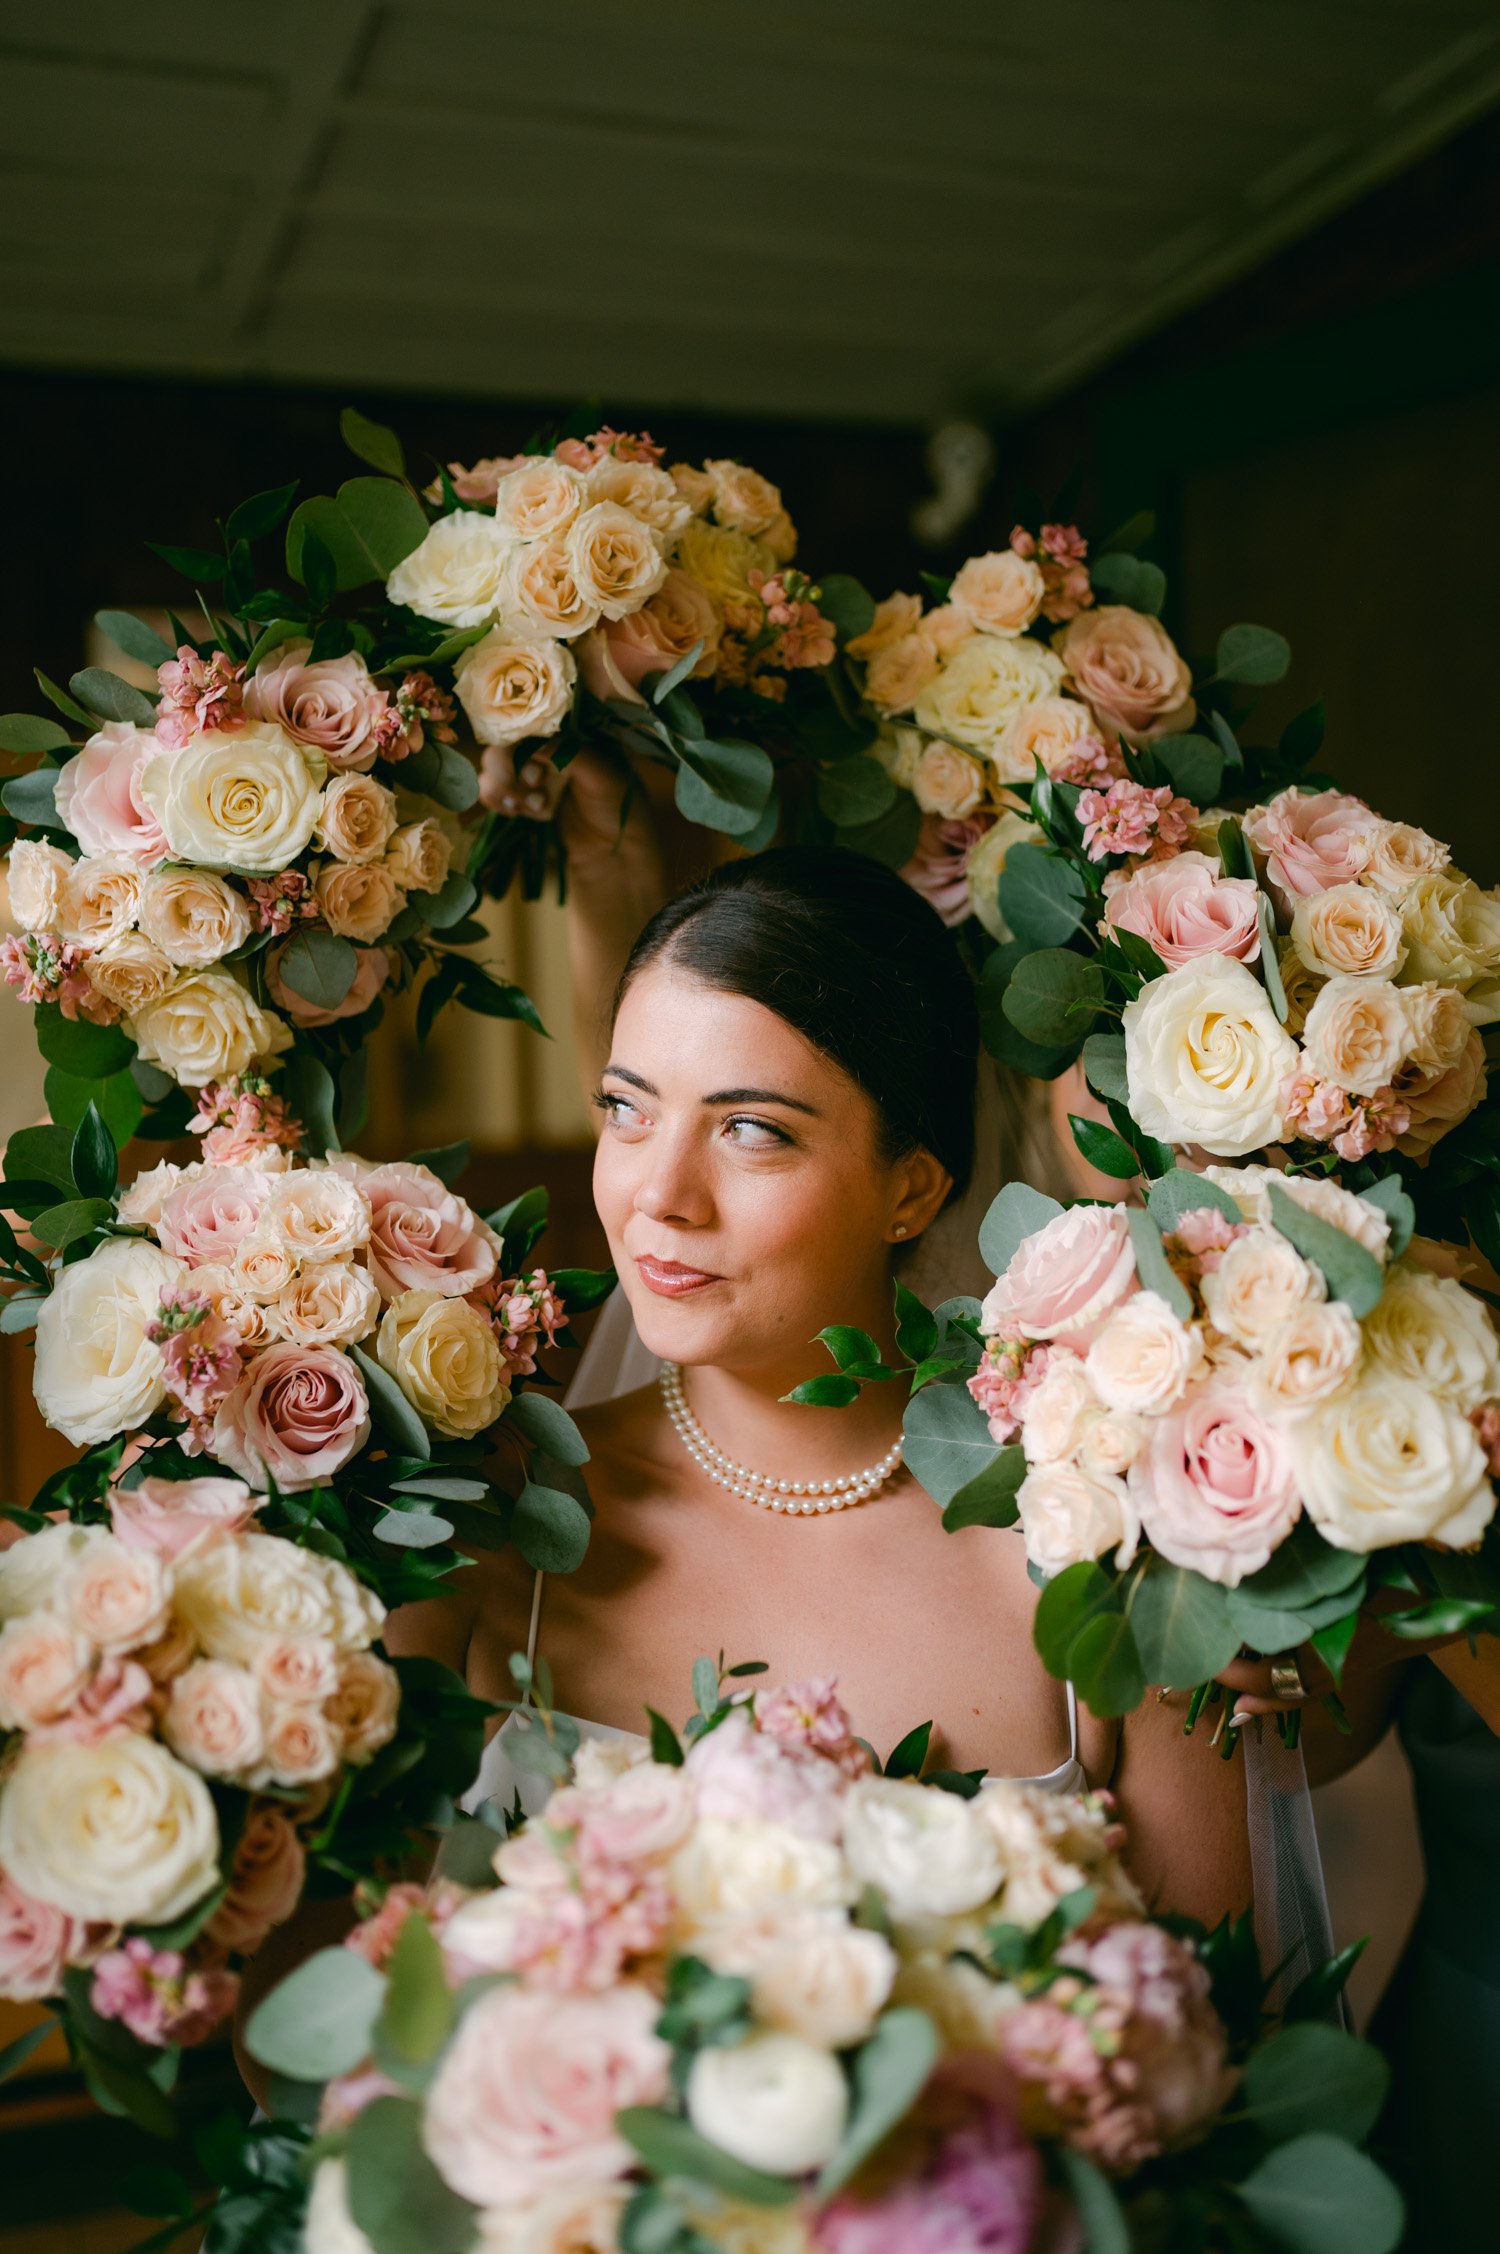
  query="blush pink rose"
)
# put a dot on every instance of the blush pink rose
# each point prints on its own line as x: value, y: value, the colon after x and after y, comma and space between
x: 99, y: 797
x: 812, y: 1716
x: 525, y: 2100
x: 939, y: 869
x: 1184, y: 908
x: 1435, y: 1102
x: 1311, y: 840
x: 615, y: 658
x: 746, y: 1775
x: 1129, y: 669
x: 422, y: 1236
x: 265, y: 1885
x: 45, y: 1665
x: 37, y: 1944
x: 637, y: 1817
x: 333, y: 705
x: 370, y: 976
x: 117, y: 1698
x: 1065, y: 1278
x: 174, y: 1516
x: 297, y: 1416
x: 1216, y: 1489
x: 209, y: 1216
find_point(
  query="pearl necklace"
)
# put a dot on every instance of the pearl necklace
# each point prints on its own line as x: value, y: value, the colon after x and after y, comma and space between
x: 797, y: 1497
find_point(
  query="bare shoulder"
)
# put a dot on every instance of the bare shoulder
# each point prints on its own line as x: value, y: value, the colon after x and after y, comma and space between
x: 625, y: 1439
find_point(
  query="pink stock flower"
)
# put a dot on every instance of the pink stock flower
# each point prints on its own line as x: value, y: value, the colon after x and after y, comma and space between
x: 1129, y: 818
x: 201, y: 1363
x: 803, y: 635
x: 1311, y: 840
x: 238, y: 1119
x: 1486, y: 1422
x: 154, y: 1994
x: 1008, y: 1375
x: 625, y: 445
x: 375, y: 1936
x: 525, y: 1312
x: 1355, y: 1126
x: 418, y: 706
x: 978, y: 2188
x: 276, y: 903
x: 939, y: 867
x: 810, y: 1717
x: 1184, y: 908
x: 1127, y: 2061
x: 1205, y: 1235
x: 118, y: 1698
x: 480, y: 482
x: 174, y: 1516
x: 198, y: 694
x: 584, y: 1936
x: 747, y: 1775
x: 1061, y: 557
x: 296, y: 1416
x: 43, y: 968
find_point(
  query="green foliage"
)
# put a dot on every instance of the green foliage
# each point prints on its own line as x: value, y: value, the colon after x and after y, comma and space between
x: 87, y: 1051
x: 134, y: 637
x: 1052, y: 996
x: 374, y: 443
x: 547, y: 1424
x: 30, y: 798
x: 670, y: 2146
x: 320, y: 2019
x: 417, y: 2015
x: 1316, y: 2195
x: 916, y: 1325
x: 947, y: 1442
x: 1194, y: 765
x: 111, y: 698
x: 1253, y: 656
x: 1153, y: 1267
x: 724, y: 785
x: 1104, y: 1066
x: 320, y: 966
x: 1099, y: 2211
x: 23, y: 732
x: 363, y: 534
x: 1390, y: 1197
x: 1171, y: 1195
x: 889, y: 2072
x: 116, y: 1099
x: 906, y: 1759
x: 1104, y: 1149
x: 396, y: 2196
x: 389, y: 1407
x: 1042, y: 896
x: 849, y: 606
x: 1018, y: 1212
x: 855, y: 790
x: 1181, y: 1625
x: 550, y: 1528
x: 989, y: 1498
x: 891, y: 838
x: 1351, y: 1274
x: 1120, y: 578
x: 826, y: 1391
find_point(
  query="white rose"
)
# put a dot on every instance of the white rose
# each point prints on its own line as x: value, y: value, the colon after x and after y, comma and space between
x: 1309, y: 1358
x: 538, y: 500
x: 213, y: 1718
x: 728, y: 1867
x: 985, y: 683
x: 207, y: 1028
x: 1143, y: 1357
x: 35, y: 876
x: 1341, y: 1209
x: 1260, y: 1282
x: 32, y: 1570
x: 1205, y: 1058
x: 1051, y: 1844
x: 928, y: 1852
x: 446, y: 1359
x: 248, y: 800
x: 512, y: 688
x: 617, y: 562
x: 237, y: 1596
x: 456, y: 575
x: 358, y: 818
x: 117, y: 1832
x: 194, y: 916
x: 319, y: 1215
x: 1389, y: 1462
x: 1068, y: 1514
x: 131, y: 971
x: 986, y: 866
x: 1452, y: 930
x: 1429, y: 1329
x: 329, y: 1305
x: 1110, y: 1443
x: 97, y: 1372
x: 947, y: 782
x: 115, y: 1595
x: 44, y: 1666
x: 1055, y: 1410
x: 141, y: 1203
x: 811, y: 1972
x: 100, y: 899
x: 1348, y: 931
x: 771, y: 2101
x: 1358, y: 1033
x: 329, y: 2227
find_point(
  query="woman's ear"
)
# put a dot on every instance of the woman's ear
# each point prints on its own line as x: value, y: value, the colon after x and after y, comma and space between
x: 922, y: 1185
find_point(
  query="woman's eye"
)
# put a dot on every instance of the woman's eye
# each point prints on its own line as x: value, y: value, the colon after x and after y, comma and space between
x: 618, y: 1110
x: 754, y: 1134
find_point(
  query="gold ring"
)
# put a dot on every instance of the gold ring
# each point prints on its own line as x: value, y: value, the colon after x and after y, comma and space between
x: 1287, y: 1684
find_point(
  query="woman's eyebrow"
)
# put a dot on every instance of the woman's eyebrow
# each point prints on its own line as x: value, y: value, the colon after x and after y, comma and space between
x: 635, y: 1079
x: 762, y: 1096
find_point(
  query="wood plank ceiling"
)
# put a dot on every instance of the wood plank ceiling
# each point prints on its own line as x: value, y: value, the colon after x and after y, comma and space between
x: 865, y: 209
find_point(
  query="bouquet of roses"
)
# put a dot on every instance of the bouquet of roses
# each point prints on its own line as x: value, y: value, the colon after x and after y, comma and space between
x: 197, y: 1726
x: 746, y: 1988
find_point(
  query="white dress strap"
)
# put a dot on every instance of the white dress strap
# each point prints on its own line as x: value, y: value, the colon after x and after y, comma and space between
x: 536, y: 1622
x: 1072, y: 1721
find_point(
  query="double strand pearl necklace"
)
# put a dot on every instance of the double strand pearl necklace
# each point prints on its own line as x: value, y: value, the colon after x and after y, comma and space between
x: 797, y: 1497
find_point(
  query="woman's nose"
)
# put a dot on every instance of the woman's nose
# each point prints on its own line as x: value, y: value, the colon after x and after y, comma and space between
x: 674, y: 1187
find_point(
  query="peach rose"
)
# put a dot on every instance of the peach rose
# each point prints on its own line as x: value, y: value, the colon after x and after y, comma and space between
x: 1261, y: 1281
x: 37, y: 1945
x: 1216, y: 1490
x: 100, y: 899
x: 512, y: 688
x: 301, y: 1747
x: 1441, y: 1100
x: 1000, y: 593
x: 195, y: 916
x: 1141, y: 1360
x: 262, y: 1266
x: 616, y: 561
x: 948, y: 782
x: 1068, y: 1514
x: 1310, y: 840
x: 296, y: 1416
x: 538, y: 500
x: 207, y: 1215
x: 743, y: 499
x: 1305, y: 1360
x: 35, y: 877
x: 215, y: 1282
x: 358, y: 901
x: 333, y: 705
x: 1439, y: 1024
x: 419, y: 856
x: 1064, y: 1278
x: 115, y: 1595
x: 1060, y: 732
x: 542, y: 591
x: 525, y: 2099
x: 177, y: 1516
x: 1184, y: 908
x: 1398, y: 854
x: 358, y: 819
x: 616, y: 658
x: 1128, y: 668
x: 899, y: 672
x: 329, y: 1305
x: 131, y: 972
x: 895, y: 618
x: 365, y: 1705
x: 265, y: 1886
x: 371, y: 973
x: 44, y: 1666
x: 423, y: 1236
x: 213, y: 1718
x: 650, y: 494
x: 1357, y: 1034
x: 946, y: 628
x: 320, y: 1214
x: 1348, y: 931
x: 98, y: 796
x: 297, y: 1670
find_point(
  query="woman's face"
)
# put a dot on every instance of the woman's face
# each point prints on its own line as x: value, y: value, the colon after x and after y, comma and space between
x: 739, y: 1180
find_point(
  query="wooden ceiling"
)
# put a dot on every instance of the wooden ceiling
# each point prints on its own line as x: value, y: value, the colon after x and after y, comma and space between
x: 866, y: 209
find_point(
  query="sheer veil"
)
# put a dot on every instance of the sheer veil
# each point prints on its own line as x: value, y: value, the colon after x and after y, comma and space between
x: 1014, y: 1142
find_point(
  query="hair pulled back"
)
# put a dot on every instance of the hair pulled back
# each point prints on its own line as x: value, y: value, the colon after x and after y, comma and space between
x: 858, y: 963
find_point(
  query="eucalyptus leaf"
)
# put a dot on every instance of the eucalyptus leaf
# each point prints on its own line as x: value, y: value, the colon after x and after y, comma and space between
x: 1254, y: 656
x: 1317, y: 2195
x: 30, y: 798
x: 1389, y: 1197
x: 1181, y: 1625
x: 451, y: 902
x: 672, y: 2147
x: 413, y: 1529
x: 261, y: 514
x: 1195, y: 765
x: 1105, y: 1664
x: 1351, y: 1274
x: 307, y: 1085
x: 1017, y: 1213
x: 1131, y: 580
x: 1104, y: 1066
x: 1105, y: 2229
x: 1153, y: 1267
x: 550, y: 1528
x: 1043, y: 899
x: 134, y: 637
x: 889, y: 2073
x: 88, y: 1051
x: 372, y: 442
x: 397, y: 1419
x: 1071, y: 1599
x: 674, y: 677
x: 318, y: 965
x: 946, y: 1441
x: 417, y: 2014
x: 395, y: 2194
x: 113, y: 699
x: 855, y: 790
x: 724, y: 785
x: 318, y: 2021
x: 989, y: 1498
x: 1053, y: 995
x: 1172, y: 1195
x: 547, y: 1424
x: 1304, y: 1569
x: 1270, y: 962
x: 849, y: 606
x: 26, y: 732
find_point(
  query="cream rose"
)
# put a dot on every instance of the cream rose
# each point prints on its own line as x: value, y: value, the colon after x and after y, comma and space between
x: 1341, y: 1209
x: 896, y: 616
x: 1398, y: 854
x: 742, y: 498
x: 727, y: 1868
x: 31, y: 1570
x: 1388, y: 1462
x: 238, y: 1596
x: 1357, y: 1033
x: 986, y: 866
x: 298, y: 1670
x: 1306, y: 1360
x: 35, y: 877
x: 1438, y: 1027
x: 359, y: 900
x: 1109, y: 1443
x: 1429, y: 1329
x: 100, y: 899
x: 1129, y: 669
x: 1142, y: 1359
x: 141, y: 1202
x: 329, y: 1305
x: 650, y: 494
x: 319, y: 1215
x: 420, y: 856
x: 447, y: 1361
x: 247, y: 800
x: 543, y: 594
x: 616, y: 561
x: 262, y: 1266
x: 194, y: 917
x: 811, y: 1973
x: 584, y: 2219
x: 116, y: 1595
x: 1000, y: 593
x: 44, y: 1666
x: 1068, y: 1514
x: 539, y: 499
x: 1261, y: 1281
x: 207, y: 1028
x: 1055, y: 730
x: 771, y: 2101
x: 984, y: 686
x: 899, y: 672
x: 929, y: 1853
x: 948, y: 782
x: 132, y: 972
x: 456, y: 575
x: 118, y: 1831
x: 213, y: 1718
x: 358, y: 819
x: 511, y: 689
x: 1055, y: 1410
x: 1348, y: 931
x: 1206, y: 1058
x: 97, y: 1371
x: 1452, y: 930
x: 329, y: 2227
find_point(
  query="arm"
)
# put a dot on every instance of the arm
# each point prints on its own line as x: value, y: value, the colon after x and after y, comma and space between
x: 1184, y: 1810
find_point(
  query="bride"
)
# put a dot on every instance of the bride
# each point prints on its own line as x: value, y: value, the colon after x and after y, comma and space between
x: 786, y: 1107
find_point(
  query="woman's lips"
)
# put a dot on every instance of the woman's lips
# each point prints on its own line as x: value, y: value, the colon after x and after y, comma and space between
x: 671, y: 1279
